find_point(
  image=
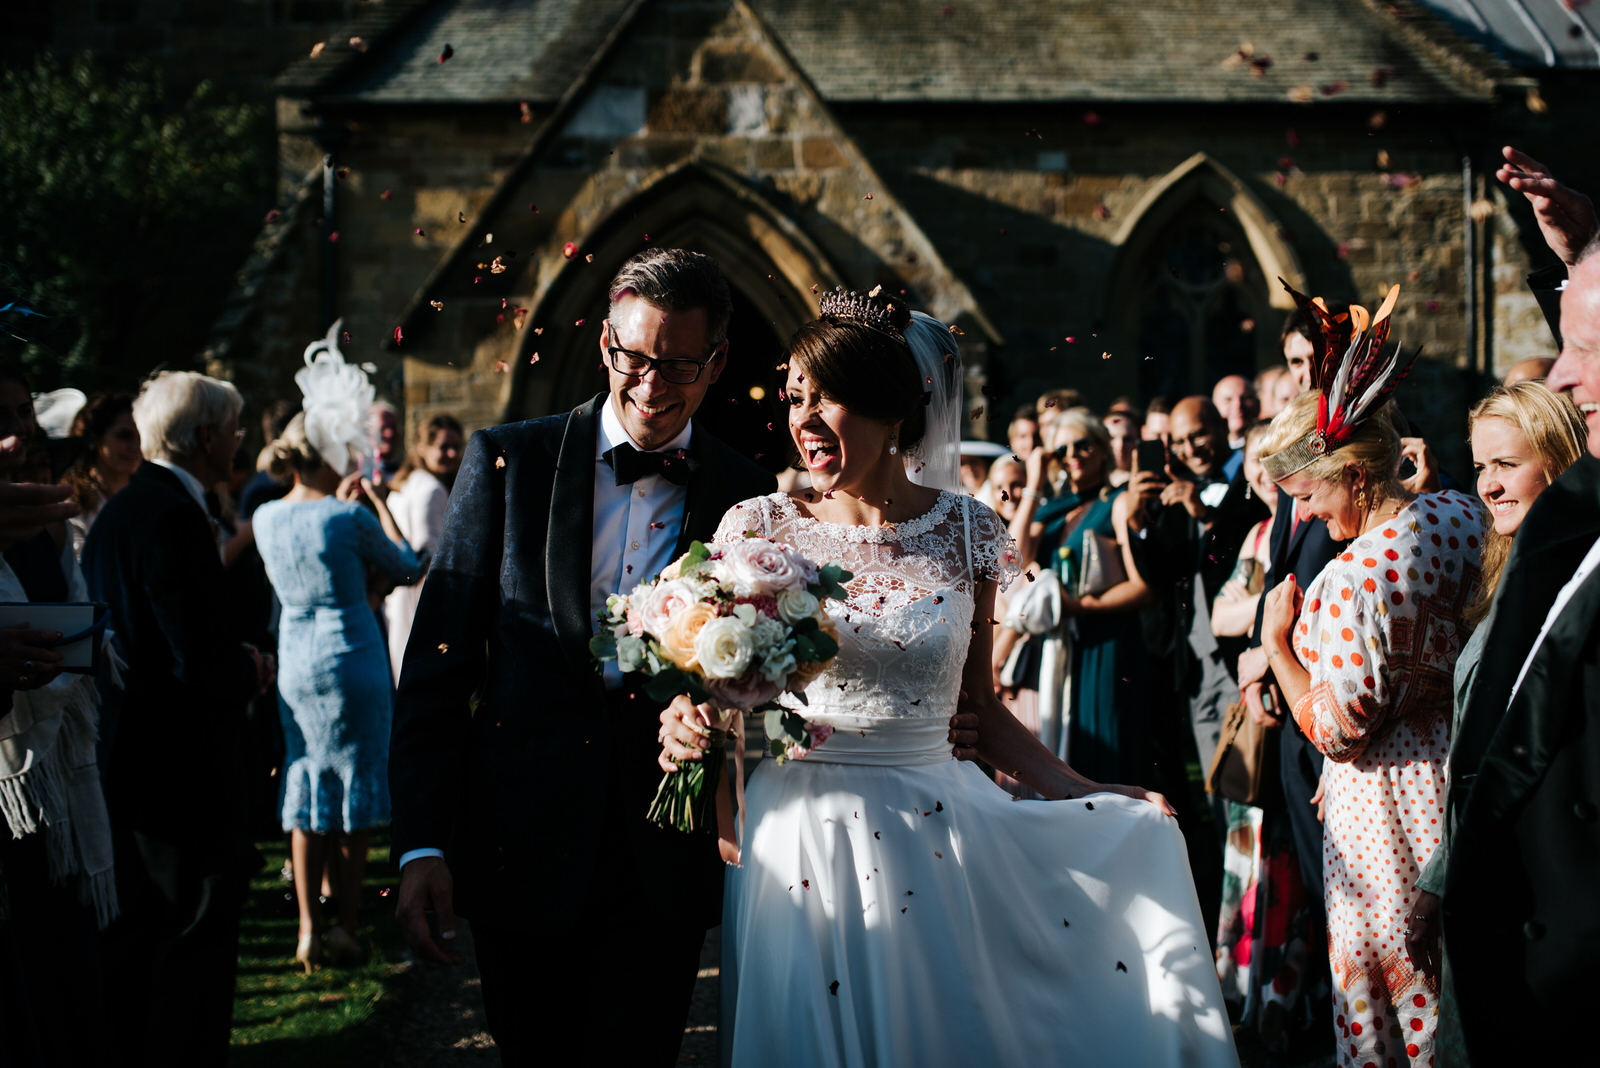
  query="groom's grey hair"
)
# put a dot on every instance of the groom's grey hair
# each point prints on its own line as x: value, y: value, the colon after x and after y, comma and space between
x: 677, y: 280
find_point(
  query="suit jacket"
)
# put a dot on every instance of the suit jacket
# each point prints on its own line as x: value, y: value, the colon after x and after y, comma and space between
x: 1521, y: 912
x: 506, y: 748
x: 171, y: 741
x: 1303, y: 554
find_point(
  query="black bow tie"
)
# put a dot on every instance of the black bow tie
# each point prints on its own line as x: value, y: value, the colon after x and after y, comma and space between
x: 631, y: 465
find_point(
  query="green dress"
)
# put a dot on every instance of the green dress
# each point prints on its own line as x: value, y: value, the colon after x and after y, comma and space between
x: 1110, y: 692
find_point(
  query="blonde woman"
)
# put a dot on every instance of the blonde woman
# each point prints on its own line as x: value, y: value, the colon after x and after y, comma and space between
x: 1523, y: 438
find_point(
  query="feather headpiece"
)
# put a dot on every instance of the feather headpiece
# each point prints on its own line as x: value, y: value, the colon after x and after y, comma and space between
x: 1351, y: 375
x: 337, y: 396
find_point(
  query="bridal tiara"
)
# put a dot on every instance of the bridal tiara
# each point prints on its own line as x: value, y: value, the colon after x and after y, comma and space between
x: 842, y: 304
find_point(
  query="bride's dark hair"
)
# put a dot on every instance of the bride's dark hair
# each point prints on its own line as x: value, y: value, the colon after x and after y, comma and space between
x: 867, y: 369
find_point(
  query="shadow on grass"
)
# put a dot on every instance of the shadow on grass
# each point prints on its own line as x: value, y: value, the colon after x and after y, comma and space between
x: 334, y: 1017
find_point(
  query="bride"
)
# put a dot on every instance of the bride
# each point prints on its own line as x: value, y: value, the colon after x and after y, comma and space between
x: 895, y: 906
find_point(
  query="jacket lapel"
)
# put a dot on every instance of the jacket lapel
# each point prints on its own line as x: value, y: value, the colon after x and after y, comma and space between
x: 704, y: 505
x: 571, y: 537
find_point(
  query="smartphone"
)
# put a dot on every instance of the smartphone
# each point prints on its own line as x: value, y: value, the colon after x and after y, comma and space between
x: 1150, y: 456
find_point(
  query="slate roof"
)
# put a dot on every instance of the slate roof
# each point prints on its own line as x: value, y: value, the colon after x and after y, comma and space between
x: 1094, y: 50
x: 1366, y: 51
x: 1527, y: 33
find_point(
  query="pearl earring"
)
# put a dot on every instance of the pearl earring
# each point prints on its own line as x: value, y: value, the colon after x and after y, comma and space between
x: 893, y: 448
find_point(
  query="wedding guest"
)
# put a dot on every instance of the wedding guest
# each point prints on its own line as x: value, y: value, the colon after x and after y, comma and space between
x: 1235, y: 398
x: 1523, y: 438
x: 1358, y: 659
x: 1261, y: 948
x: 109, y: 459
x: 421, y: 489
x: 1023, y: 432
x: 1519, y: 909
x: 1265, y: 383
x: 171, y: 741
x: 1156, y: 415
x: 1536, y: 369
x: 1123, y: 427
x: 384, y: 446
x: 1103, y: 727
x: 318, y: 543
x: 262, y: 487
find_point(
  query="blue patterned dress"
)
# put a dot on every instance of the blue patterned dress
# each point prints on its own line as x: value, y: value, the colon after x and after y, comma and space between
x: 334, y: 690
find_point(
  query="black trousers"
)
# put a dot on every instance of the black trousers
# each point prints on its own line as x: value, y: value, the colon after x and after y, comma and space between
x: 171, y: 957
x: 1302, y: 768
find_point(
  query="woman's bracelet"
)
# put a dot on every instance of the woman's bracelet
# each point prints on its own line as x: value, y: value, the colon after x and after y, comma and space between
x: 1028, y: 494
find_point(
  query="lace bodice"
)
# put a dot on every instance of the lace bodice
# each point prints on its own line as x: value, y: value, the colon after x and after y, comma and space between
x: 904, y: 632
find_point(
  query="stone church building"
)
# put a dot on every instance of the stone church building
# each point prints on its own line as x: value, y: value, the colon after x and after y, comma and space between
x: 1098, y: 196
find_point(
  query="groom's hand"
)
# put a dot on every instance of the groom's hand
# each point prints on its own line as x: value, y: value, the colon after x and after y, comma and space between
x: 426, y: 886
x: 682, y: 735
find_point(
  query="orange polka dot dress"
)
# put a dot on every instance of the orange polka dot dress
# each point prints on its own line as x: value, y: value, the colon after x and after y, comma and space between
x: 1379, y: 632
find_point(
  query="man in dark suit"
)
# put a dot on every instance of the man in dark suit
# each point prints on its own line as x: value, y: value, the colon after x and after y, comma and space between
x: 170, y: 741
x: 520, y: 775
x: 1520, y: 912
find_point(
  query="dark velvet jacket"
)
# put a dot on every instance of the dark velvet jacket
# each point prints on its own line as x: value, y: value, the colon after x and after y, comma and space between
x: 1522, y: 890
x: 506, y: 748
x: 171, y: 741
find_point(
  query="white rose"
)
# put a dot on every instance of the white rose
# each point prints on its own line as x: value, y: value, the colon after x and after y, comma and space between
x: 795, y: 605
x: 766, y: 634
x: 777, y: 667
x: 664, y: 601
x: 758, y: 567
x: 723, y: 648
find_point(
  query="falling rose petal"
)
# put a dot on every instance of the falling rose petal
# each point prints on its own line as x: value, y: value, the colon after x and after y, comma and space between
x: 580, y: 322
x: 384, y: 892
x: 461, y: 216
x: 334, y: 236
x: 346, y: 337
x: 589, y: 258
x: 387, y: 194
x: 478, y: 279
x: 418, y: 232
x: 569, y: 250
x: 446, y: 54
x: 500, y: 461
x: 1302, y: 94
x: 538, y: 330
x: 358, y: 43
x: 833, y: 988
x: 975, y: 413
x: 398, y: 336
x: 957, y: 331
x: 501, y: 367
x: 318, y: 48
x: 534, y: 358
x: 497, y: 267
x: 938, y: 854
x: 1247, y: 326
x: 1071, y: 340
x: 527, y: 111
x: 1091, y: 118
x: 500, y: 318
x: 1432, y: 305
x: 534, y: 208
x: 1101, y: 211
x: 444, y: 647
x: 867, y: 197
x: 436, y: 305
x: 1121, y: 967
x: 1002, y: 231
x: 274, y: 215
x: 1343, y: 251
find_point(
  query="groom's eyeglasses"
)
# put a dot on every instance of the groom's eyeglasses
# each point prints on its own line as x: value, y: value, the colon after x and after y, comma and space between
x: 636, y: 365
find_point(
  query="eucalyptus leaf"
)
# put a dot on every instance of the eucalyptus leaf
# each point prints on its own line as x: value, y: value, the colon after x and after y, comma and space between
x: 630, y: 653
x: 603, y: 646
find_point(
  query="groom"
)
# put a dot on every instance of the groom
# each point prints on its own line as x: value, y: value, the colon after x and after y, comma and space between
x: 520, y: 776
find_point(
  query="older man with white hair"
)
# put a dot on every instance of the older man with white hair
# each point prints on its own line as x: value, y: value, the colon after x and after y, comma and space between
x: 171, y: 738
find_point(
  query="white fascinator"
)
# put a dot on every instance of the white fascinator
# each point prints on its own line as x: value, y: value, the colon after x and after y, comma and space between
x: 337, y: 396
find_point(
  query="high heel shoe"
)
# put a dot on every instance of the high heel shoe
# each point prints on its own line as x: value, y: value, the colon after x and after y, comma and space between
x: 309, y: 954
x: 343, y: 949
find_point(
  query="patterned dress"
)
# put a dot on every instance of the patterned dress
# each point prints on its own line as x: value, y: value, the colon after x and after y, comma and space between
x: 1380, y: 631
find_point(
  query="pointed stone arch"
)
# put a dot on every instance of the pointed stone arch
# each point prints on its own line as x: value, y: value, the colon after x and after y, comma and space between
x: 1198, y: 201
x: 769, y: 261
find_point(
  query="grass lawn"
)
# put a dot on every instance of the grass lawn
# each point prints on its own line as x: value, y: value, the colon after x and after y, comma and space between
x: 333, y: 1017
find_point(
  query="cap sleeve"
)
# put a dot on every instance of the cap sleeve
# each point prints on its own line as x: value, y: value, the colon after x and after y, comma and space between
x: 753, y: 516
x: 994, y: 551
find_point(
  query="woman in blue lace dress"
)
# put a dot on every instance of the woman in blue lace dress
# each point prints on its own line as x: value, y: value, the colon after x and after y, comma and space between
x: 335, y: 697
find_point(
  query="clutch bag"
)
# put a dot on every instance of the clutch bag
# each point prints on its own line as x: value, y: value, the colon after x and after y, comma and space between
x: 1102, y: 565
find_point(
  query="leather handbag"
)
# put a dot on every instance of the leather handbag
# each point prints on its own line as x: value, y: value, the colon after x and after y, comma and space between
x: 1102, y: 564
x: 1245, y: 759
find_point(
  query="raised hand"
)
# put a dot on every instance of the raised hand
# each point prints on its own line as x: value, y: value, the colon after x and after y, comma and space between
x: 27, y: 509
x: 1566, y: 217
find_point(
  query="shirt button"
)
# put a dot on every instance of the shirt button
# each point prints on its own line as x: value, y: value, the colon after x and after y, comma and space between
x: 641, y: 493
x: 636, y: 546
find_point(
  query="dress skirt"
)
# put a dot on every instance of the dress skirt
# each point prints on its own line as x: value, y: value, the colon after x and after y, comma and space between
x: 897, y: 908
x: 335, y: 701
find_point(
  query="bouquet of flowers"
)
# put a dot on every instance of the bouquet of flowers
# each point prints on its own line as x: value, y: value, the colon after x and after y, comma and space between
x: 734, y: 625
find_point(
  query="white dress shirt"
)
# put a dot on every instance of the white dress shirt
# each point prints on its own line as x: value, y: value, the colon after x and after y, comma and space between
x: 1590, y: 562
x: 635, y: 527
x: 635, y: 530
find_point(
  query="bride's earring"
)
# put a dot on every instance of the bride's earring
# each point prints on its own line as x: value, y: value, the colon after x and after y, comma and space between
x: 893, y: 448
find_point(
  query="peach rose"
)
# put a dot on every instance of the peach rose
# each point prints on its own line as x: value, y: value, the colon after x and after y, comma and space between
x: 678, y: 637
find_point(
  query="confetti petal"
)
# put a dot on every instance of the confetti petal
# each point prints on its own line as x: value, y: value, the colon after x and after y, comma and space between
x: 446, y: 54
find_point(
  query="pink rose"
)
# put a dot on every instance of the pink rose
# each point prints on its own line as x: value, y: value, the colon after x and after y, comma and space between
x: 817, y: 733
x: 666, y: 599
x: 745, y: 692
x: 757, y: 567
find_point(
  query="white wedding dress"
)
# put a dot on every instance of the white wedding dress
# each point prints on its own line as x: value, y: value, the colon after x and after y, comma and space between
x: 895, y: 906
